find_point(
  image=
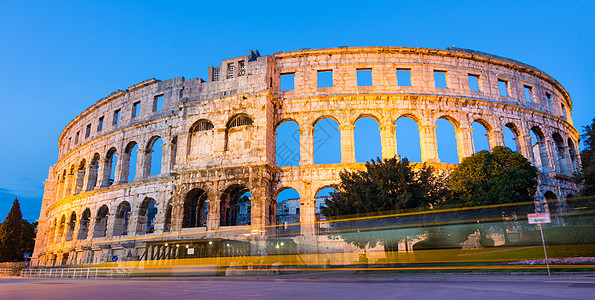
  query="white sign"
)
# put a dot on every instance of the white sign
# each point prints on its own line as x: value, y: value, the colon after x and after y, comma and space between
x: 539, y: 218
x: 190, y: 251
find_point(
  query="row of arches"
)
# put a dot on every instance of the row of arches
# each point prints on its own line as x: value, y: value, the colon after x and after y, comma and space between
x: 131, y: 164
x: 87, y: 225
x: 327, y: 141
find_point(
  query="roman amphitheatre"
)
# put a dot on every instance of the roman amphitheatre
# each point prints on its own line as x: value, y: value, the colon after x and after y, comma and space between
x: 217, y: 142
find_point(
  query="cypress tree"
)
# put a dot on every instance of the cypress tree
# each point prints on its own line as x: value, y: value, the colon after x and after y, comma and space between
x: 11, y: 234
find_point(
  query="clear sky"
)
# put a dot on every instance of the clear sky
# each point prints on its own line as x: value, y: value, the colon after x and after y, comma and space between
x: 59, y: 57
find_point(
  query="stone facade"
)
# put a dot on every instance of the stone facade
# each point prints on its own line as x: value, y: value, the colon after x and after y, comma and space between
x: 219, y: 138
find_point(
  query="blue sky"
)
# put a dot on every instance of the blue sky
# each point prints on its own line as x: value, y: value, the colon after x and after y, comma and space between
x: 58, y: 58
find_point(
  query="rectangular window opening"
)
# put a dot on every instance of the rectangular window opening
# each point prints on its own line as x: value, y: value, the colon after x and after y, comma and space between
x: 242, y: 68
x: 76, y: 136
x: 474, y: 83
x: 287, y: 82
x: 440, y: 79
x: 364, y: 77
x: 548, y: 98
x: 325, y: 78
x: 136, y: 109
x: 100, y: 124
x: 528, y: 93
x: 116, y: 119
x: 88, y: 130
x: 404, y: 77
x: 503, y: 87
x: 158, y: 103
x: 230, y: 70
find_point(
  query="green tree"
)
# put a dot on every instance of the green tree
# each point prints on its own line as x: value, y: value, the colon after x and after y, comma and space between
x: 17, y: 236
x: 388, y: 186
x: 587, y: 175
x: 497, y: 177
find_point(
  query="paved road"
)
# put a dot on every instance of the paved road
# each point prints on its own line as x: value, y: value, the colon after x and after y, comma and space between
x: 306, y: 287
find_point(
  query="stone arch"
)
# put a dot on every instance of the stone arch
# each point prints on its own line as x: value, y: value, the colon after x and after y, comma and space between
x: 128, y: 162
x: 480, y: 133
x: 572, y: 153
x: 321, y: 195
x: 552, y: 202
x: 288, y: 211
x: 61, y: 228
x: 109, y: 173
x: 366, y: 115
x: 122, y: 218
x: 93, y: 168
x: 539, y: 148
x: 512, y: 137
x: 70, y: 227
x: 79, y: 176
x: 167, y: 217
x: 327, y: 140
x: 561, y: 159
x: 411, y: 116
x: 84, y: 224
x: 448, y: 142
x: 450, y: 119
x: 238, y: 132
x: 407, y: 131
x: 367, y: 138
x: 201, y: 138
x: 101, y: 218
x: 230, y: 207
x: 325, y: 116
x: 153, y: 156
x: 287, y: 143
x: 147, y: 212
x: 196, y: 203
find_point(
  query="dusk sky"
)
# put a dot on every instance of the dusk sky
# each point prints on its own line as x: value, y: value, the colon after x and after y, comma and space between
x: 59, y: 57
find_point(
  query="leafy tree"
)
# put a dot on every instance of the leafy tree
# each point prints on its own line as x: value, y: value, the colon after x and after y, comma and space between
x: 587, y: 175
x: 497, y: 177
x: 388, y: 186
x: 17, y: 236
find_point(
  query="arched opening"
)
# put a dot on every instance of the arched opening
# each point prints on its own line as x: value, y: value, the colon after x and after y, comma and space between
x: 173, y: 152
x: 368, y: 145
x: 93, y: 167
x: 288, y: 212
x: 287, y: 144
x: 111, y: 160
x: 201, y: 138
x: 539, y: 148
x: 237, y: 133
x: 52, y: 231
x: 146, y: 216
x: 408, y: 142
x: 70, y: 227
x: 446, y: 141
x: 61, y: 228
x: 511, y: 137
x: 573, y: 155
x: 321, y: 196
x: 236, y: 206
x: 480, y: 136
x: 327, y: 142
x: 122, y: 219
x: 154, y: 155
x: 561, y: 158
x: 129, y: 164
x: 101, y: 221
x: 167, y: 221
x: 80, y: 176
x: 196, y: 205
x: 552, y: 202
x: 84, y: 225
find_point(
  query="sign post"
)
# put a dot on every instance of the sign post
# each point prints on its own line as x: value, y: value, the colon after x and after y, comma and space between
x: 541, y: 218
